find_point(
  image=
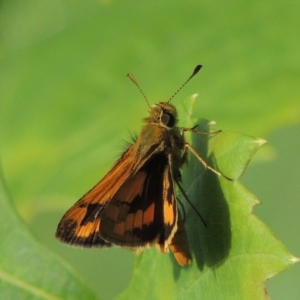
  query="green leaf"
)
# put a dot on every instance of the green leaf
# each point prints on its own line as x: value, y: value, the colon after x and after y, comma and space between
x: 27, y: 269
x: 236, y: 253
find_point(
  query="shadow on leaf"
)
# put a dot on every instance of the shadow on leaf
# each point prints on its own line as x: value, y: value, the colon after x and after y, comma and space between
x: 210, y: 245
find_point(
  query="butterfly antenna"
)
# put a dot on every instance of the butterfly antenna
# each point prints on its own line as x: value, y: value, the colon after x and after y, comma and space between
x: 138, y: 86
x: 196, y: 70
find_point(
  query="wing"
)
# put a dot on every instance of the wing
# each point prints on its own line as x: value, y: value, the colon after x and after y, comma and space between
x: 179, y: 244
x: 132, y: 206
x: 80, y: 224
x: 143, y: 211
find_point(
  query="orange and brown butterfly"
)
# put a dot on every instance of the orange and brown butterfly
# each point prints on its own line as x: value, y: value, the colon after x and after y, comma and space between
x: 134, y: 205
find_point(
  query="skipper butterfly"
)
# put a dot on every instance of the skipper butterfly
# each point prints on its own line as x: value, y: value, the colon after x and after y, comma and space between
x: 134, y: 205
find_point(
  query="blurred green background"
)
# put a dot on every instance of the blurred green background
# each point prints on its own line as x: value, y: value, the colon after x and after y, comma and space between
x: 67, y: 107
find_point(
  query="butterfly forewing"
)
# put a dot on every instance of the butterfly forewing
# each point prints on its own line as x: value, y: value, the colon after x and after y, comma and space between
x: 80, y: 224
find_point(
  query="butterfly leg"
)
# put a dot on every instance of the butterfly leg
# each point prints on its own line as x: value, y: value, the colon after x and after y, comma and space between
x: 193, y: 130
x: 204, y: 163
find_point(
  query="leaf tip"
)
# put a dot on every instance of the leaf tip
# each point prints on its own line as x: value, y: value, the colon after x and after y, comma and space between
x: 261, y: 142
x: 295, y: 259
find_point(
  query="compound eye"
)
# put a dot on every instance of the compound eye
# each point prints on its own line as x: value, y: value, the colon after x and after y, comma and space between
x: 167, y: 119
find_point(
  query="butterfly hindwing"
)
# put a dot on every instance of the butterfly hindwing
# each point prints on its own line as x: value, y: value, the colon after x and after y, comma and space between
x: 179, y: 244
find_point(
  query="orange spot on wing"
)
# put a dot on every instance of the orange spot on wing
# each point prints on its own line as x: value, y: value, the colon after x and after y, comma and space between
x: 169, y: 199
x: 169, y: 215
x: 149, y: 215
x: 84, y: 231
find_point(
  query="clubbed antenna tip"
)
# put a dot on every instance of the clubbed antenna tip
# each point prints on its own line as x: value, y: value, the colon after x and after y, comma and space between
x: 196, y: 70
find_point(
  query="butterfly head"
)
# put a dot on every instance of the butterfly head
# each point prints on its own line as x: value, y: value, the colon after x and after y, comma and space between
x: 163, y: 114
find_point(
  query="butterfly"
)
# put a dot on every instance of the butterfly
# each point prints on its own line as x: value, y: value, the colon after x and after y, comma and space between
x: 134, y: 206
